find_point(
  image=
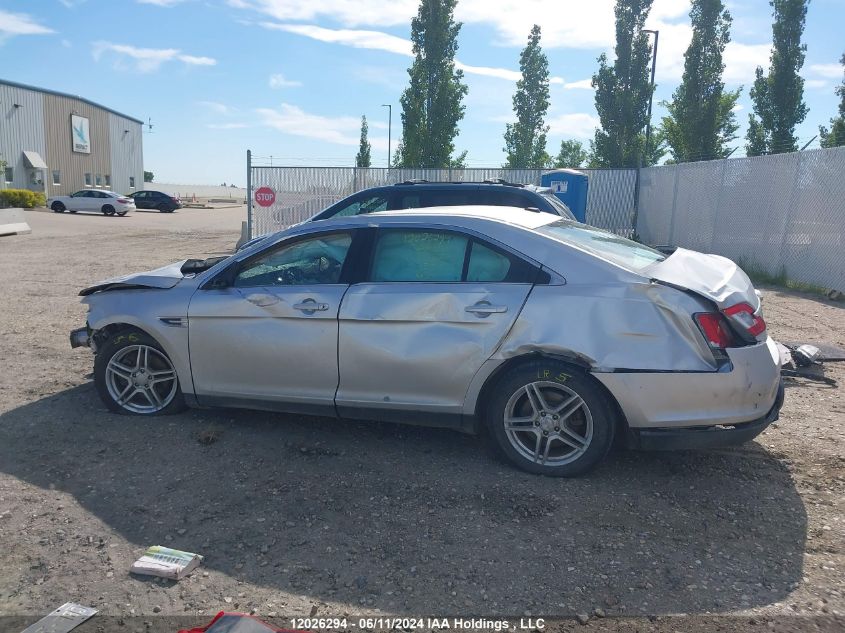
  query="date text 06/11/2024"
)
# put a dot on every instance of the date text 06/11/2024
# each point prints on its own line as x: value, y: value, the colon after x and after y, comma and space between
x: 432, y: 624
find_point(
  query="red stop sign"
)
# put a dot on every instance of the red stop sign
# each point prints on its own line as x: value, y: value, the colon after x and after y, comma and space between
x: 265, y: 196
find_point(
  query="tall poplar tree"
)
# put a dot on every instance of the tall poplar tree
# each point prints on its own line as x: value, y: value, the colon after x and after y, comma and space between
x: 779, y: 96
x: 835, y: 136
x: 525, y: 140
x: 431, y: 104
x: 623, y: 90
x: 362, y: 159
x: 701, y: 121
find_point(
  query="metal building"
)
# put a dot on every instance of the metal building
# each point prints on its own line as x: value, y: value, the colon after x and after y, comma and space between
x: 58, y: 143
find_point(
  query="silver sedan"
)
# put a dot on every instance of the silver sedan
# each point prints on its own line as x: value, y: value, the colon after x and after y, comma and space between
x: 552, y: 336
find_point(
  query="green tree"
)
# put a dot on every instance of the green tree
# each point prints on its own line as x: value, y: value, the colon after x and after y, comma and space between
x: 431, y: 104
x: 572, y: 154
x: 726, y: 126
x: 623, y: 90
x: 697, y: 126
x: 148, y: 176
x: 779, y: 96
x: 525, y: 140
x: 362, y: 158
x: 835, y: 136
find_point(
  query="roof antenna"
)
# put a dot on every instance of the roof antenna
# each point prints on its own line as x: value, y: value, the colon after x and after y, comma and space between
x: 150, y: 125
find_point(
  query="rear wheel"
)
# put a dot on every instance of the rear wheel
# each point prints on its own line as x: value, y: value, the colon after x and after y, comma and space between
x: 108, y: 209
x: 162, y: 208
x: 58, y: 207
x: 134, y: 376
x: 549, y: 419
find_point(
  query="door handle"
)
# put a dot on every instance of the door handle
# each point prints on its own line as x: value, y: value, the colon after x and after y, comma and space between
x: 309, y: 305
x: 484, y: 309
x: 262, y: 300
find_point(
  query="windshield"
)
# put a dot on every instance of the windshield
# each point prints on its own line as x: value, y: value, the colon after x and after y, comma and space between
x: 562, y: 209
x: 613, y: 248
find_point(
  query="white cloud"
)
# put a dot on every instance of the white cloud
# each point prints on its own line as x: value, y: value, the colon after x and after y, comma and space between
x: 816, y: 84
x: 161, y: 3
x: 218, y: 108
x: 193, y: 60
x: 386, y: 42
x: 829, y: 71
x: 348, y: 37
x: 20, y: 24
x: 582, y: 84
x: 148, y: 59
x: 226, y: 126
x: 574, y: 125
x: 346, y: 12
x: 278, y: 80
x: 741, y: 60
x: 290, y: 119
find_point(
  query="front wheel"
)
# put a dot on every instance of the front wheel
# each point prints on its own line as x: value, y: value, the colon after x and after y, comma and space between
x: 549, y: 419
x: 134, y: 376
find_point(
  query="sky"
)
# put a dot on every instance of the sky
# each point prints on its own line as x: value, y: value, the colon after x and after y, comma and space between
x: 290, y: 79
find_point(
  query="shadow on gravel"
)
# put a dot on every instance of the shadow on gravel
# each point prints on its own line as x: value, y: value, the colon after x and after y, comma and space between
x: 418, y: 520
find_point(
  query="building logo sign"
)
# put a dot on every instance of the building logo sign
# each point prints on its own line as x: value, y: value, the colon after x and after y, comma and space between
x: 80, y: 134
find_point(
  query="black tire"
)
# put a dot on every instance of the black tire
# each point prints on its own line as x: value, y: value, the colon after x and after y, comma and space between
x: 58, y: 207
x: 107, y: 209
x: 594, y: 420
x: 122, y: 345
x: 162, y: 208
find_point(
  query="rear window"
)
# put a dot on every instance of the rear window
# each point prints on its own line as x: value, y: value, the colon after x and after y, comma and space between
x: 613, y: 248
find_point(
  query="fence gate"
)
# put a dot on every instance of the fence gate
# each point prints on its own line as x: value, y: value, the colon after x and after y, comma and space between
x: 279, y: 197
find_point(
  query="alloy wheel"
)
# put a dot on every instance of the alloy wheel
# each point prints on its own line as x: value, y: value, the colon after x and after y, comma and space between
x: 548, y: 423
x: 141, y: 379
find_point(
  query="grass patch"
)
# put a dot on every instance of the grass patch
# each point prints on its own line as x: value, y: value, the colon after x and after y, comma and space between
x: 759, y: 275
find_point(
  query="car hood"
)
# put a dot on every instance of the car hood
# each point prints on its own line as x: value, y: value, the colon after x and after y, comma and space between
x: 163, y: 278
x: 712, y: 276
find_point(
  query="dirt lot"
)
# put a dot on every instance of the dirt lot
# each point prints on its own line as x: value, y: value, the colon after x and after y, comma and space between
x: 300, y: 515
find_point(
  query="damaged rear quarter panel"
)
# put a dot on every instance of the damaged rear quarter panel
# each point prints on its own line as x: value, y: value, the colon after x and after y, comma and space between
x: 640, y: 326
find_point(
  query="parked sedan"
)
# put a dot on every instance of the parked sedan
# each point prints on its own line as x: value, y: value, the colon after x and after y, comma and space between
x: 552, y: 336
x: 165, y: 203
x: 105, y: 202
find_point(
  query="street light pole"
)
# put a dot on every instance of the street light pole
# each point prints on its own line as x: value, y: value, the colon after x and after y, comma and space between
x: 389, y: 126
x: 651, y: 97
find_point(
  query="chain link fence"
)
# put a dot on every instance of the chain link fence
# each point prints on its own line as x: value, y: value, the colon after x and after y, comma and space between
x: 302, y: 192
x: 782, y: 214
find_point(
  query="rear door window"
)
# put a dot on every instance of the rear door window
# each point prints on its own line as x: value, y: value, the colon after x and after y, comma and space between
x: 438, y: 256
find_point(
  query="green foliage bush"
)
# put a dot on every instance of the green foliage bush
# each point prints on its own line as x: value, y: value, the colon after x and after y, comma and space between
x: 23, y: 198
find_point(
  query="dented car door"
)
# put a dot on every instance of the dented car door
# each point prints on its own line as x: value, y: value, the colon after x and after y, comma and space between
x: 434, y: 306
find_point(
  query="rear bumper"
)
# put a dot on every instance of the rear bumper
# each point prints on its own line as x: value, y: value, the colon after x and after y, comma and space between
x: 707, y: 437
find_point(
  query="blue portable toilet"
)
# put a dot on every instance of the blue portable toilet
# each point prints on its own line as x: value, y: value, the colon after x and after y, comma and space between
x: 571, y: 187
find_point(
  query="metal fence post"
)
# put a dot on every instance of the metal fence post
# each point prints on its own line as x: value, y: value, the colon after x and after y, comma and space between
x: 249, y: 193
x: 677, y: 170
x: 636, y: 217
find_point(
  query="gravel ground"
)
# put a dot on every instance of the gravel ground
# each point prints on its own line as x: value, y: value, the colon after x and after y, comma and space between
x: 301, y: 515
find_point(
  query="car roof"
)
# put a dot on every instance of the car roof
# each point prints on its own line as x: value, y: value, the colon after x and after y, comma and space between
x: 505, y: 215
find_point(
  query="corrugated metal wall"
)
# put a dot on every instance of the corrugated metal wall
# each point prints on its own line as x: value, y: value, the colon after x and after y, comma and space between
x: 73, y: 165
x: 21, y: 128
x: 127, y: 159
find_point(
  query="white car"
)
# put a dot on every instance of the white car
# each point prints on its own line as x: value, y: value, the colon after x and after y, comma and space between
x: 106, y: 202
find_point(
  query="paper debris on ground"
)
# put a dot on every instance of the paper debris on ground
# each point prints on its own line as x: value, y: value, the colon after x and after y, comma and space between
x: 66, y: 617
x: 165, y: 562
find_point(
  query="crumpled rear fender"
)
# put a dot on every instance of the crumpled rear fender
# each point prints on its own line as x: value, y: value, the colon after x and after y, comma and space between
x: 645, y: 327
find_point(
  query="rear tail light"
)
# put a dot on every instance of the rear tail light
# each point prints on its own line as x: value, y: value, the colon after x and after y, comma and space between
x: 124, y: 200
x: 742, y: 315
x: 715, y: 329
x: 174, y: 199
